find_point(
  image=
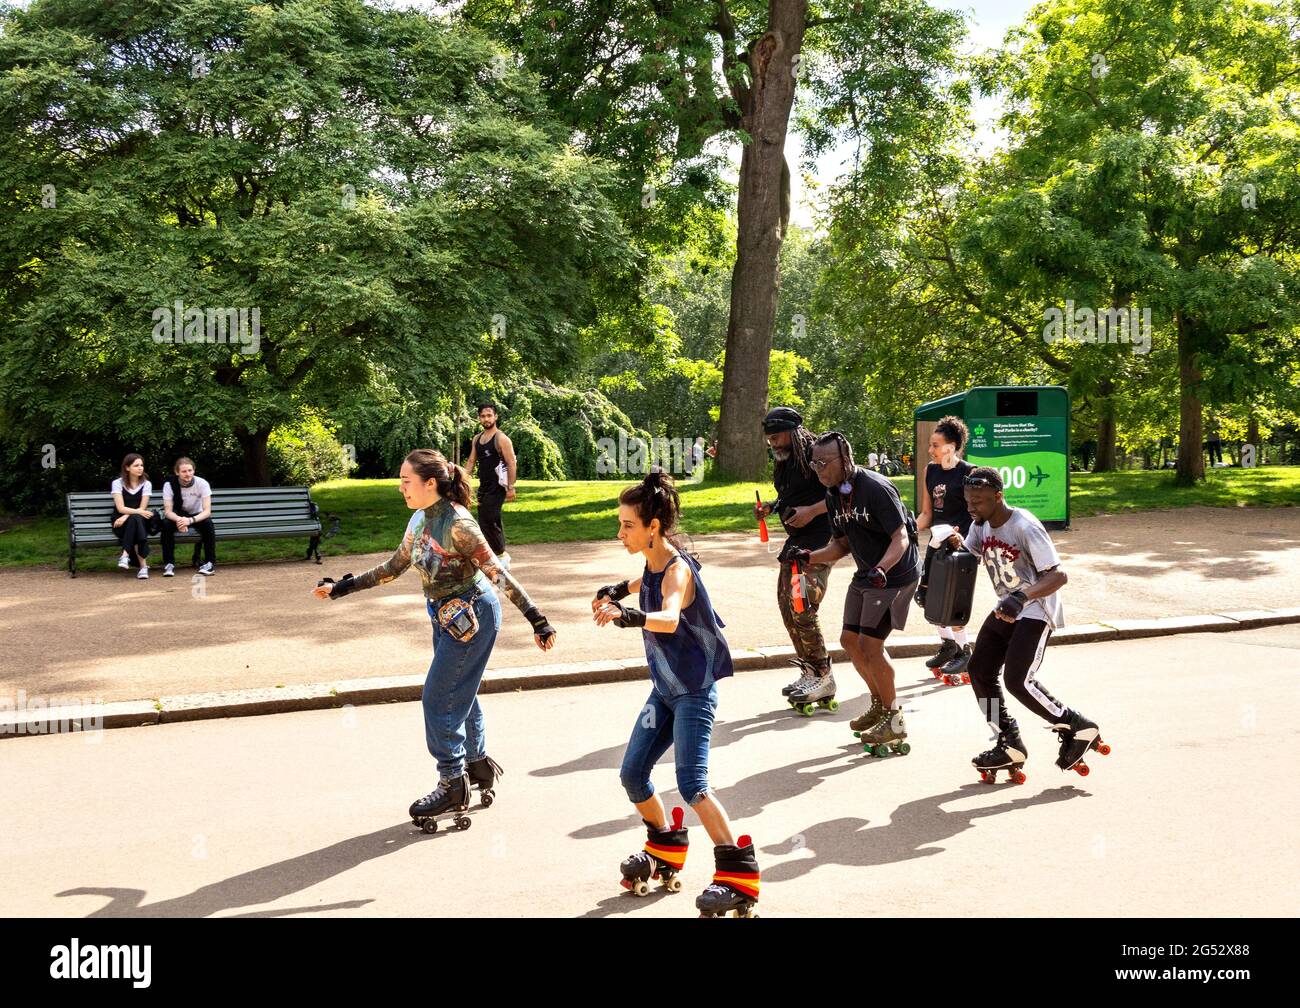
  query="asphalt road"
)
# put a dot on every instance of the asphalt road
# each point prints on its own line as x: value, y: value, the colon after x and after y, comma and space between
x: 299, y: 814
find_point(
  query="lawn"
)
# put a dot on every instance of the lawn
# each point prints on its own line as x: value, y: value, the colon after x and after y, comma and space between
x: 373, y: 514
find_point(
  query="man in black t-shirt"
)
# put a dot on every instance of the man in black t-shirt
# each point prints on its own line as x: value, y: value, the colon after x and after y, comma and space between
x: 494, y: 453
x: 801, y: 505
x: 869, y: 522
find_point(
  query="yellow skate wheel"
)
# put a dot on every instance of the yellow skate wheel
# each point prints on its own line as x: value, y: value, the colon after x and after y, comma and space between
x: 832, y: 705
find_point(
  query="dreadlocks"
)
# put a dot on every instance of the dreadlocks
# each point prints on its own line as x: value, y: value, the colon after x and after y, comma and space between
x: 842, y: 446
x: 801, y: 445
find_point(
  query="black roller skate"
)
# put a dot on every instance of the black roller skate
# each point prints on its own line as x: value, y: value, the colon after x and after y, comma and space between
x: 954, y: 673
x: 734, y: 888
x: 1078, y: 735
x: 1008, y: 753
x: 449, y: 796
x: 819, y: 692
x: 483, y: 774
x: 948, y: 650
x: 662, y: 858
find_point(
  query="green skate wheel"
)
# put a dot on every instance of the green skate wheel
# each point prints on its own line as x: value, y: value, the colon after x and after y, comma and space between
x: 832, y: 705
x: 903, y: 749
x: 881, y: 750
x: 807, y: 709
x: 857, y: 734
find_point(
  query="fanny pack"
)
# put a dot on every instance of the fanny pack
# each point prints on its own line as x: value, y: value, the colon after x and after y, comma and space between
x: 458, y: 618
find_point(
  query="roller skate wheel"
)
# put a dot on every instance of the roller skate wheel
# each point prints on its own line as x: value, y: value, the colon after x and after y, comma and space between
x: 1082, y: 769
x: 965, y: 678
x: 1017, y: 777
x: 857, y: 734
x: 831, y: 705
x: 429, y: 826
x: 1103, y: 748
x: 807, y: 709
x: 881, y: 751
x: 487, y: 798
x: 640, y: 888
x: 984, y: 777
x: 463, y: 822
x: 903, y: 749
x: 673, y: 884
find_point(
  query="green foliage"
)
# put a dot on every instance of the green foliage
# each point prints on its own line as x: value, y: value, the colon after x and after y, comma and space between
x: 306, y: 453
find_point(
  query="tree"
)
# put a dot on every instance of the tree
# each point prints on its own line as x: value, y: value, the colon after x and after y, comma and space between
x: 385, y: 197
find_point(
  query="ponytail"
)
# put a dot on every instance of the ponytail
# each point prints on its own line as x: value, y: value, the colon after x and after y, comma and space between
x: 451, y: 480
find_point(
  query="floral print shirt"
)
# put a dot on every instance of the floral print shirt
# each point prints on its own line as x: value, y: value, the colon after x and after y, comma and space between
x: 444, y: 544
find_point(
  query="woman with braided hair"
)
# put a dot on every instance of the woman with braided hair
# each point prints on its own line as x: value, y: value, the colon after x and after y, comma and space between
x: 801, y: 505
x: 687, y: 655
x: 458, y: 570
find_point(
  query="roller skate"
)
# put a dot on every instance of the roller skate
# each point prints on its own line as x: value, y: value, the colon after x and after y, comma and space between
x: 954, y: 673
x: 1078, y: 735
x: 807, y: 675
x: 868, y: 718
x: 1008, y: 754
x: 483, y: 774
x: 887, y: 735
x: 948, y: 650
x: 820, y: 692
x: 662, y: 859
x: 734, y: 888
x: 449, y: 796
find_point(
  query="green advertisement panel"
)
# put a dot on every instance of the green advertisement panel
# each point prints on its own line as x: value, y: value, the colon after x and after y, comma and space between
x: 1030, y: 452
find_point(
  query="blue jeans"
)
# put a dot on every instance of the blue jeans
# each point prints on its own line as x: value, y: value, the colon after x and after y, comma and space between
x: 684, y: 722
x: 453, y: 720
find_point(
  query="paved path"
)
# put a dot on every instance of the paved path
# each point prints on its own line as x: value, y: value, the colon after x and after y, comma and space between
x: 302, y: 814
x: 106, y: 636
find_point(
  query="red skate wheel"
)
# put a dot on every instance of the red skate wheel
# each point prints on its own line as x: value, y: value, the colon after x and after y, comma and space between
x: 1103, y: 748
x: 626, y: 884
x: 965, y: 678
x: 1018, y: 777
x: 1082, y: 769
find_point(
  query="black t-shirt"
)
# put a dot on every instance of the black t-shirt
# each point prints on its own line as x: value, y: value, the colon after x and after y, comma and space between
x: 795, y: 489
x: 947, y: 495
x: 868, y: 518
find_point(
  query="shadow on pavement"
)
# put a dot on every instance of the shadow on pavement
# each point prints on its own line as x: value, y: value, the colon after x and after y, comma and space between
x: 262, y: 885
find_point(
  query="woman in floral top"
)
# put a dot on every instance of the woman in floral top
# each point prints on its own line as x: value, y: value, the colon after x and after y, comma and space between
x: 458, y: 570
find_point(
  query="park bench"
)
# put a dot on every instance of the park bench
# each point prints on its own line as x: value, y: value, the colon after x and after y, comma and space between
x: 237, y: 513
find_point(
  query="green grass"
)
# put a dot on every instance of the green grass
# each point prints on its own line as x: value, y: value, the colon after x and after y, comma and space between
x: 373, y: 513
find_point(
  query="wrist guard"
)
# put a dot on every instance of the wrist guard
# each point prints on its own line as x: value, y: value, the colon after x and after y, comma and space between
x: 1012, y: 604
x: 345, y: 586
x: 877, y: 578
x: 631, y: 617
x: 614, y: 592
x: 539, y: 623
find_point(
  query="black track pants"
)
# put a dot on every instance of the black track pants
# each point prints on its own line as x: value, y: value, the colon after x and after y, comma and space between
x: 1018, y: 646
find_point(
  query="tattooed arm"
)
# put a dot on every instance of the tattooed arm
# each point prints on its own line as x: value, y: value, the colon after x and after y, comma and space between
x: 468, y: 541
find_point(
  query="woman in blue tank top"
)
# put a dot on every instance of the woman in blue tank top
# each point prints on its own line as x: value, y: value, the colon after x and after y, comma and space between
x: 687, y: 655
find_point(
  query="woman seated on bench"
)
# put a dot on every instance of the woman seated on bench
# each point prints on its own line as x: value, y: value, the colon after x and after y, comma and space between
x: 131, y: 492
x: 187, y: 503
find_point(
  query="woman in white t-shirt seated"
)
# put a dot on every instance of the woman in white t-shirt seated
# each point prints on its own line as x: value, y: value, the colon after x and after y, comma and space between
x: 131, y: 491
x: 187, y: 504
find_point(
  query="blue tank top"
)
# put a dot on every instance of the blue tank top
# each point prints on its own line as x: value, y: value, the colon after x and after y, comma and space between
x: 695, y: 655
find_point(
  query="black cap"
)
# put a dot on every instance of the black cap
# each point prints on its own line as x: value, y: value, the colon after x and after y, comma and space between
x: 783, y: 418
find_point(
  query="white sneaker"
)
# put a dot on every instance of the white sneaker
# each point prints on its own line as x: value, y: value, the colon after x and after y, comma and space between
x: 143, y: 575
x: 169, y: 570
x: 207, y: 570
x: 124, y: 561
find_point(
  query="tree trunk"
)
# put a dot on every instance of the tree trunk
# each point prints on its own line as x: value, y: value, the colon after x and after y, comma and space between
x: 257, y: 468
x: 1106, y: 429
x: 764, y: 179
x: 1252, y: 434
x: 1191, y: 459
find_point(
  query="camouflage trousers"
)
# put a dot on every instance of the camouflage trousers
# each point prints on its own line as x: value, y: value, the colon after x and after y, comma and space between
x: 804, y: 628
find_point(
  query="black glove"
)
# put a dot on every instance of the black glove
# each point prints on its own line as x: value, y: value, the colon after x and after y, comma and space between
x: 630, y: 616
x: 877, y: 577
x: 541, y: 627
x: 1012, y: 604
x: 803, y: 557
x: 614, y: 592
x: 344, y: 587
x: 920, y: 595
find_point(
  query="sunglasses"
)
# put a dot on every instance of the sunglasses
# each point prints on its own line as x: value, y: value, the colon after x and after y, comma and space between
x: 820, y: 464
x: 980, y: 481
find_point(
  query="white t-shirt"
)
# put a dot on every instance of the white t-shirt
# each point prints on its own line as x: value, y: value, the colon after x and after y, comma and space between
x: 191, y: 496
x: 1016, y: 554
x: 118, y: 488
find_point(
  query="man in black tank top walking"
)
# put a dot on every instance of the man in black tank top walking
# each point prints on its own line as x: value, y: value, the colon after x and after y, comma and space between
x: 496, y: 478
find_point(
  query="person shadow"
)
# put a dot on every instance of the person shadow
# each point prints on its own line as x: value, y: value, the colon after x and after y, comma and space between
x: 914, y: 830
x: 262, y: 885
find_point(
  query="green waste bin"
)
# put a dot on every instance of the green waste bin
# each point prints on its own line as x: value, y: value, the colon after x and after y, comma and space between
x: 1023, y: 431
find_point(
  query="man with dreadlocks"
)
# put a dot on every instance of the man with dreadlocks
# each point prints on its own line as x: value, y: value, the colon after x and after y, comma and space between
x: 868, y: 520
x: 801, y: 505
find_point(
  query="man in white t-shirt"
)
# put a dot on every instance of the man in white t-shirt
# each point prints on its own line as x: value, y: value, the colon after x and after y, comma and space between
x: 1026, y: 573
x: 187, y: 506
